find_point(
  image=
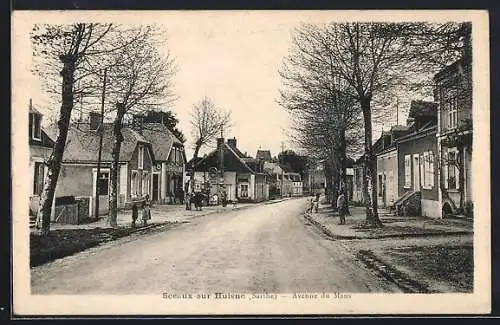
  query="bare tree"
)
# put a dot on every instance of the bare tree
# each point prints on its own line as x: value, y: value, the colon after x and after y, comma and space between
x: 325, y: 113
x: 65, y: 49
x: 207, y: 123
x: 140, y: 78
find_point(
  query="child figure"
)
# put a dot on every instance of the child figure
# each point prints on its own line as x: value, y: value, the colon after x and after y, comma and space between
x: 235, y: 202
x: 135, y: 215
x: 311, y: 205
x: 146, y: 214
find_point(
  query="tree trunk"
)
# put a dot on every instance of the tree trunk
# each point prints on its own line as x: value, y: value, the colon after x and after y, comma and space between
x: 118, y: 137
x: 343, y: 169
x: 329, y: 182
x: 54, y: 162
x: 370, y: 166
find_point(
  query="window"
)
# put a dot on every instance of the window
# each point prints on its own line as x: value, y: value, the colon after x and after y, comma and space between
x: 380, y: 185
x: 38, y: 178
x: 452, y: 170
x: 103, y: 183
x: 145, y: 183
x: 36, y: 127
x: 407, y: 170
x: 428, y: 169
x: 134, y: 183
x: 140, y: 159
x: 244, y: 190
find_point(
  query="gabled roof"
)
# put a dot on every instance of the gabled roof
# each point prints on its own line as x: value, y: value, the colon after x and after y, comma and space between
x: 458, y: 65
x: 422, y: 108
x: 161, y: 139
x: 399, y: 128
x: 233, y: 161
x: 82, y: 144
x: 263, y: 154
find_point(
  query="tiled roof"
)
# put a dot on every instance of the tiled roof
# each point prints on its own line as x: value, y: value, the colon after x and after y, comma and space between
x: 161, y: 139
x: 263, y: 154
x: 232, y: 161
x: 422, y: 108
x: 82, y: 144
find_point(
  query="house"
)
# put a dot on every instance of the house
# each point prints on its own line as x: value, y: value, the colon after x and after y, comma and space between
x: 274, y: 173
x: 316, y: 179
x: 358, y: 170
x: 290, y: 181
x: 264, y: 155
x: 349, y: 178
x: 78, y: 175
x: 167, y: 180
x: 386, y: 151
x: 453, y: 93
x: 40, y: 149
x: 417, y: 166
x: 227, y: 168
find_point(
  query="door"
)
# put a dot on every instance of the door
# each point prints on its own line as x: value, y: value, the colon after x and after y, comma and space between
x: 155, y: 187
x: 416, y: 172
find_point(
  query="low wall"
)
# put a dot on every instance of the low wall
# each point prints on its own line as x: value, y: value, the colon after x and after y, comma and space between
x: 430, y: 208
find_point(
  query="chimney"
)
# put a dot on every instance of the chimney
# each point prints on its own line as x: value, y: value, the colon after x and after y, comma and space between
x: 94, y: 120
x: 232, y: 142
x: 138, y: 123
x: 220, y: 142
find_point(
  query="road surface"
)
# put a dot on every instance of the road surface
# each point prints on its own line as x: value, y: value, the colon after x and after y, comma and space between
x: 267, y: 248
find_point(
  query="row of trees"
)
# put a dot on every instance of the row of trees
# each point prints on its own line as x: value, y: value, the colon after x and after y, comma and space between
x: 138, y: 76
x: 338, y: 78
x: 136, y: 70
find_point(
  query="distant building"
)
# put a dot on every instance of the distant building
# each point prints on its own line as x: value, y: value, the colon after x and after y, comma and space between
x: 243, y: 177
x: 264, y: 155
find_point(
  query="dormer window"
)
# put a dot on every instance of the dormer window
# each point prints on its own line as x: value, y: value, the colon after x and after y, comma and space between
x: 140, y: 159
x: 36, y: 126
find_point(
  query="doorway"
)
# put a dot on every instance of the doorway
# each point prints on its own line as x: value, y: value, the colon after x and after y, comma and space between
x: 416, y: 172
x: 156, y: 187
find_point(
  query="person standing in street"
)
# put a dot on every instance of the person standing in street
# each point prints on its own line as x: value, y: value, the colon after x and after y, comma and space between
x: 341, y: 204
x: 146, y: 212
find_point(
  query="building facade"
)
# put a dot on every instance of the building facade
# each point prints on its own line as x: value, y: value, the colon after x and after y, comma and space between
x: 79, y: 176
x: 170, y: 163
x: 40, y: 149
x: 453, y: 92
x: 228, y: 169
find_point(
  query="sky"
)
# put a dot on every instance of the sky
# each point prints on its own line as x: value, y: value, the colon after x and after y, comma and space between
x: 232, y: 58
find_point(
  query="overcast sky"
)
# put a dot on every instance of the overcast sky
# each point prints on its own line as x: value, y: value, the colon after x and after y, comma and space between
x: 233, y: 58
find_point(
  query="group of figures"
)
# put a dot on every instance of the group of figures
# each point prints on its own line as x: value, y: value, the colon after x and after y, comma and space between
x: 342, y: 208
x: 146, y: 212
x: 197, y: 199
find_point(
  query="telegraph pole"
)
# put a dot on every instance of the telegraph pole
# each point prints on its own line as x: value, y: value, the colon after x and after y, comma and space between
x: 221, y: 180
x: 99, y: 157
x: 282, y: 151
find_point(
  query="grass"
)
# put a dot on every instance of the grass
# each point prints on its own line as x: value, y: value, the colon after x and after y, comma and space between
x: 453, y: 265
x: 64, y: 242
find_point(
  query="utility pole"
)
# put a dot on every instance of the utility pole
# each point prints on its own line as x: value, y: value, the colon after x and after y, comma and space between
x: 221, y: 153
x: 101, y: 135
x: 282, y: 152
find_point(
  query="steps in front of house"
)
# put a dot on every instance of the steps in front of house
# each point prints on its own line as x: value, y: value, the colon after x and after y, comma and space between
x: 410, y: 199
x: 32, y: 221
